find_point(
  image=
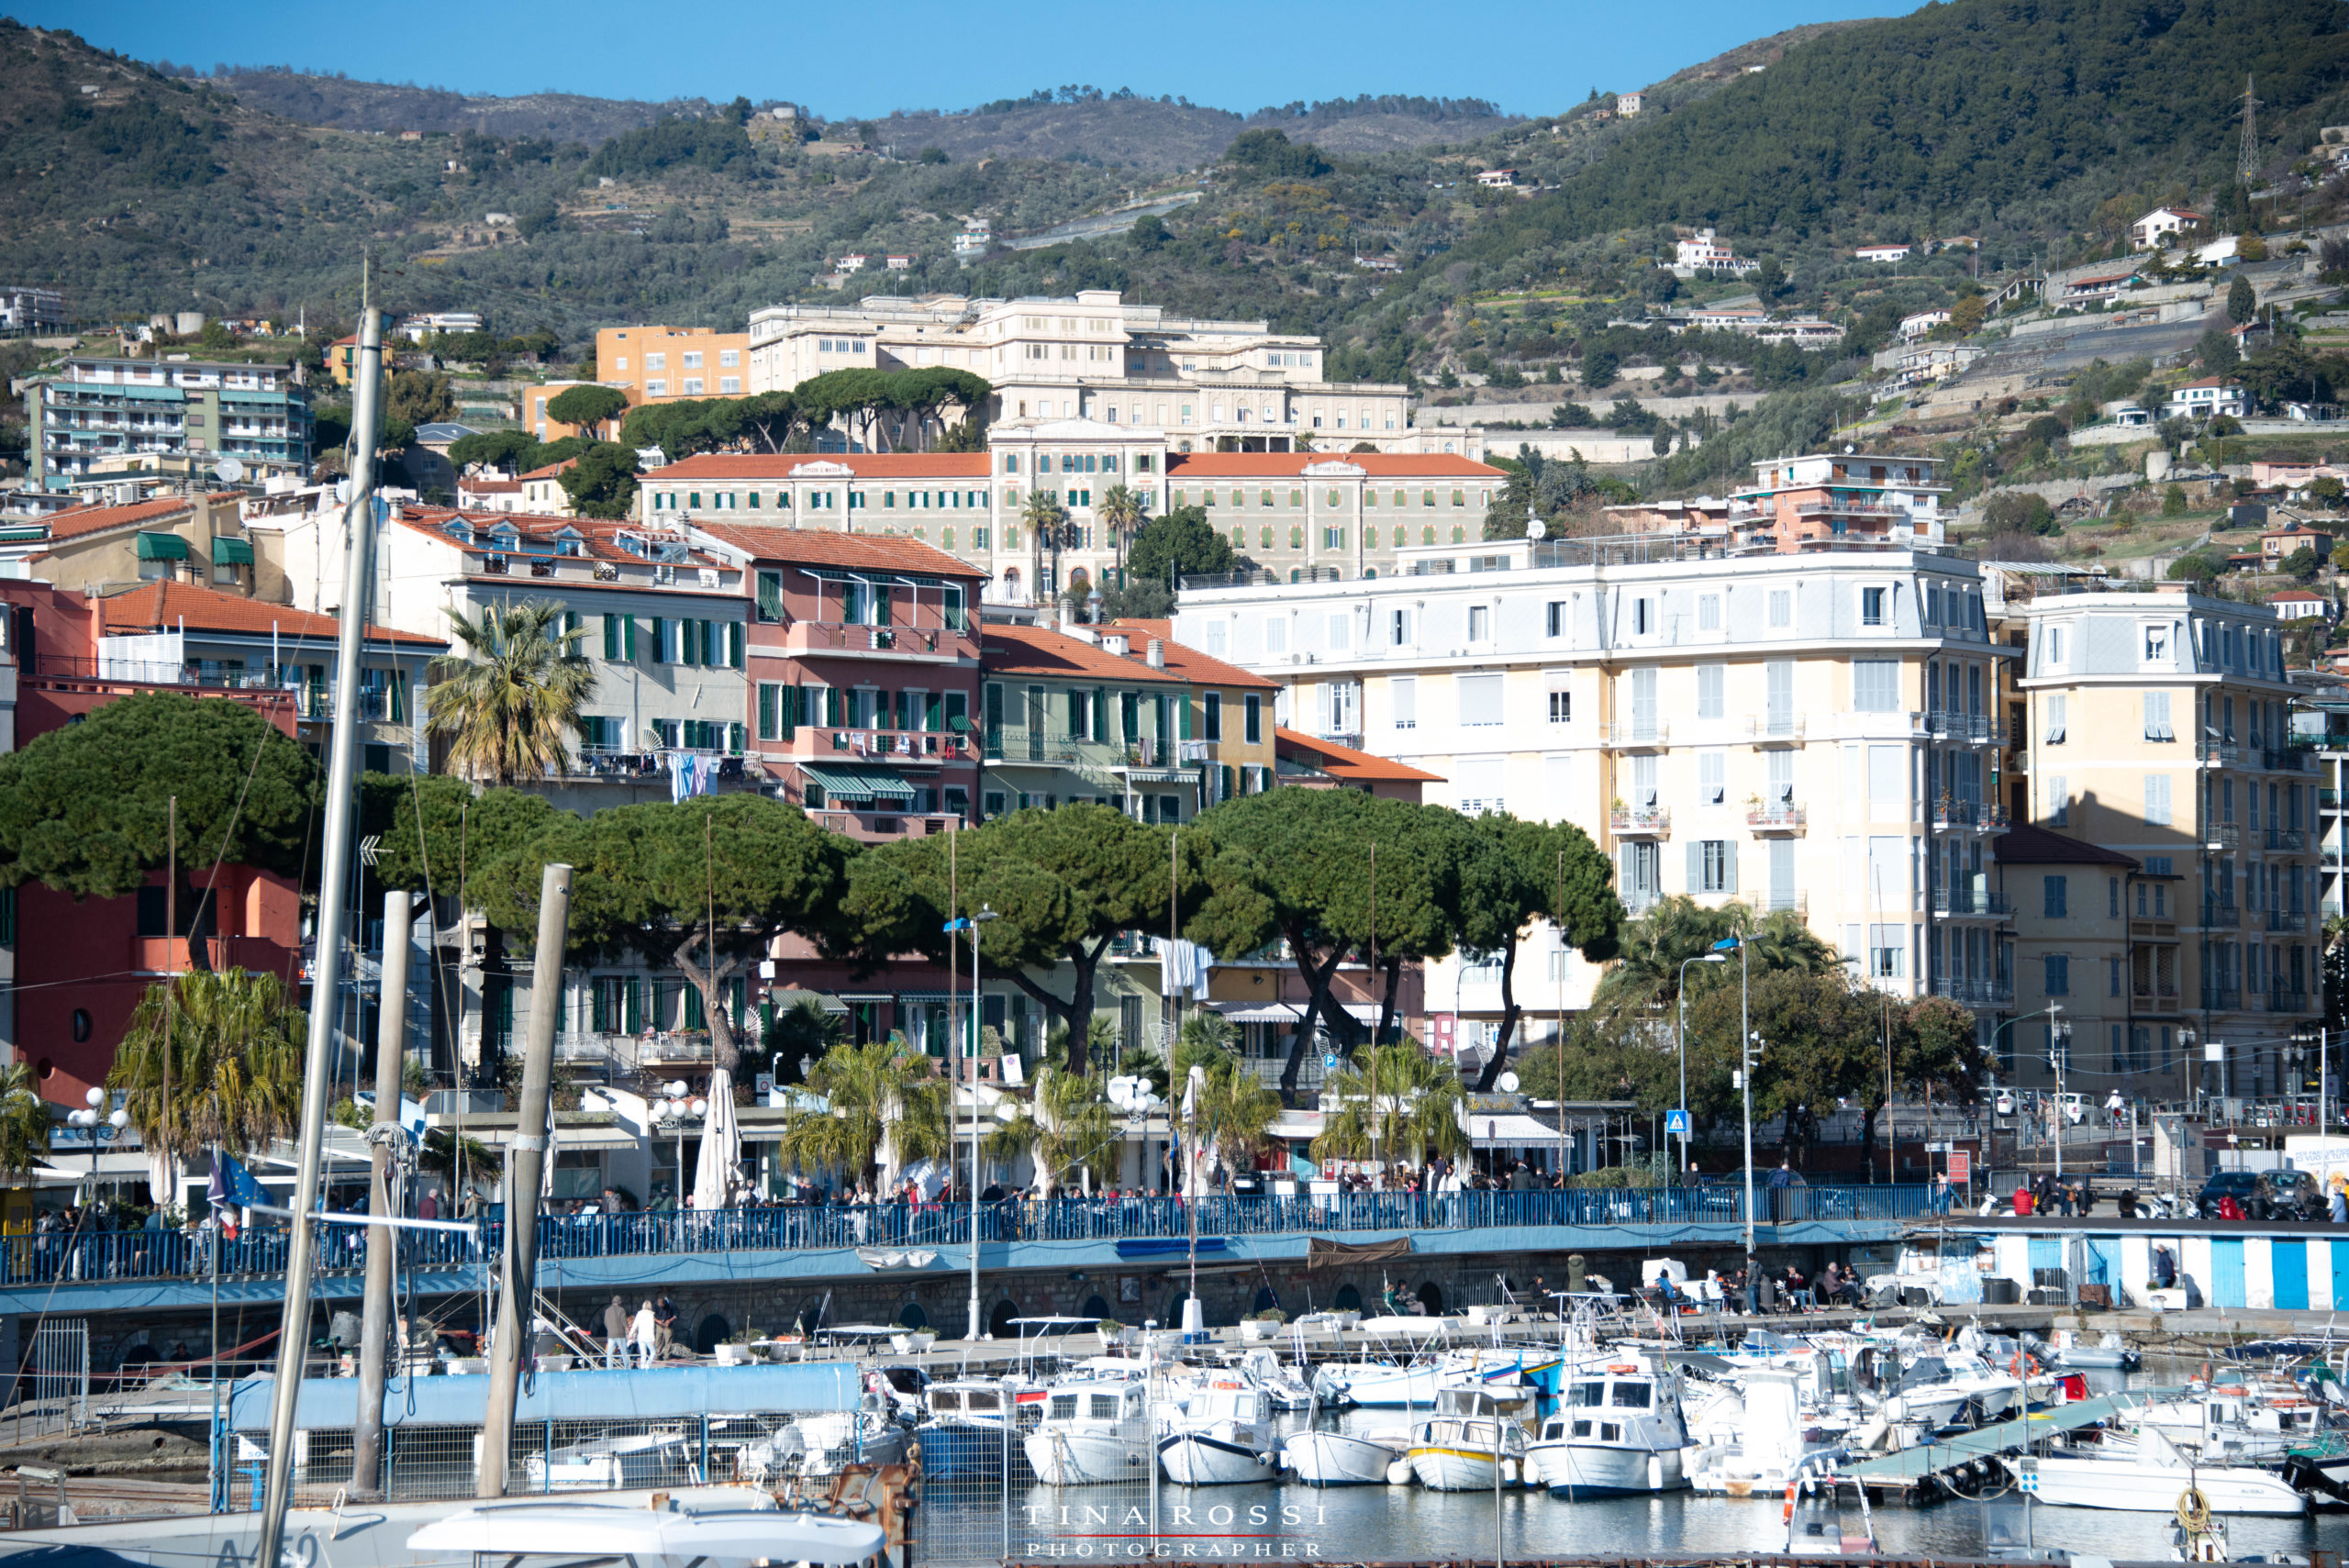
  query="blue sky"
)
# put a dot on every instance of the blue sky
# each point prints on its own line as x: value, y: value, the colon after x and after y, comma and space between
x: 866, y: 59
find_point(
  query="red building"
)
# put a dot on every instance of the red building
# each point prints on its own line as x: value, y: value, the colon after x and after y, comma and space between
x: 863, y: 672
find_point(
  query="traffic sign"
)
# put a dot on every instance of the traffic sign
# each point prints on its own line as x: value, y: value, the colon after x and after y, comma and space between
x: 1960, y: 1168
x: 1329, y: 1062
x: 1675, y: 1124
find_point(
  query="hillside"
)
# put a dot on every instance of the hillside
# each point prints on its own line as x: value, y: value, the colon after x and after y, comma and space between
x: 341, y: 104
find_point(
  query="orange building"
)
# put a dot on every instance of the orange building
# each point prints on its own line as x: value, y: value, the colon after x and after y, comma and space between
x: 662, y: 364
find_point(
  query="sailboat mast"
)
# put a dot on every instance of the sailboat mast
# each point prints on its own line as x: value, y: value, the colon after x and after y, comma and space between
x: 334, y: 897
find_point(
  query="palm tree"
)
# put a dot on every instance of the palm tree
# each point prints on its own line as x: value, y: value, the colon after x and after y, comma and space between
x: 509, y: 702
x: 1394, y: 1100
x: 1236, y: 1110
x: 225, y: 1047
x: 1067, y: 1128
x: 1043, y: 514
x: 25, y: 1120
x: 1121, y: 513
x: 867, y: 1097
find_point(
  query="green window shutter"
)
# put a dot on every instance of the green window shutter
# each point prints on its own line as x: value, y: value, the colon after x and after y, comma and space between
x: 1183, y: 707
x: 1101, y: 715
x: 734, y: 635
x: 399, y: 696
x: 770, y: 595
x: 708, y: 643
x: 611, y: 638
x: 958, y: 711
x: 934, y: 711
x: 1227, y: 783
x: 632, y: 1004
x: 694, y: 1016
x: 660, y: 640
x: 904, y: 710
x: 734, y: 738
x: 1076, y: 715
x: 881, y: 603
x: 769, y: 694
x: 835, y: 706
x: 627, y: 638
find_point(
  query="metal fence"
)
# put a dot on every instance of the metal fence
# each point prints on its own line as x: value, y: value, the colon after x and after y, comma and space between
x: 61, y: 1375
x: 174, y: 1254
x: 1074, y: 1474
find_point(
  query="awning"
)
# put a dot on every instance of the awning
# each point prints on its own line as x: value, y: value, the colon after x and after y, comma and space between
x: 230, y: 552
x: 162, y: 547
x: 1258, y: 1012
x: 847, y: 783
x: 1160, y: 775
x: 792, y: 996
x: 1321, y: 1255
x: 1509, y: 1131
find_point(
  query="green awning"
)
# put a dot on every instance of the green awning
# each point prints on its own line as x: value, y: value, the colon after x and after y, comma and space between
x: 232, y: 551
x: 162, y: 547
x: 846, y: 784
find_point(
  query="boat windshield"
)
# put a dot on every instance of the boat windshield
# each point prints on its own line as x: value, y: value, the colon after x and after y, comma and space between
x: 1633, y: 1395
x: 1586, y: 1393
x: 1063, y: 1407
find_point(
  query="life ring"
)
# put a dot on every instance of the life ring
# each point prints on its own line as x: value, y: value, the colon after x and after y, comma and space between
x: 2193, y: 1511
x: 1623, y: 1370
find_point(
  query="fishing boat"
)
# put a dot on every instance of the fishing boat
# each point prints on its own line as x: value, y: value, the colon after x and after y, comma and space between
x: 1326, y: 1458
x: 961, y: 1432
x: 2150, y: 1480
x: 1223, y: 1438
x: 1620, y: 1433
x: 1094, y: 1431
x: 1771, y: 1448
x: 1473, y: 1441
x: 1282, y: 1385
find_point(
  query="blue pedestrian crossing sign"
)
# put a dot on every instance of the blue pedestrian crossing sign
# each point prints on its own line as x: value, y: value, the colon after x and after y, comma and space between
x: 1675, y: 1124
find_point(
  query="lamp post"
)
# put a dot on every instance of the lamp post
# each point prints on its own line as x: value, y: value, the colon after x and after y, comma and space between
x: 1745, y: 1076
x: 955, y: 1055
x: 106, y: 1129
x: 671, y: 1111
x: 1701, y: 957
x: 2049, y: 1013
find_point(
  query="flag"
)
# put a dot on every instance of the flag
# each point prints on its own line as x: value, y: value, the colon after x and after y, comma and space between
x: 232, y: 1184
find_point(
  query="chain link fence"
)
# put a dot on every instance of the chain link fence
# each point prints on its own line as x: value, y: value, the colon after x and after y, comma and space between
x: 1072, y: 1473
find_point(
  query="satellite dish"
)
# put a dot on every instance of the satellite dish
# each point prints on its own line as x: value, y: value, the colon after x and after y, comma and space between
x: 1506, y: 1084
x: 343, y: 491
x: 1536, y: 529
x: 228, y: 470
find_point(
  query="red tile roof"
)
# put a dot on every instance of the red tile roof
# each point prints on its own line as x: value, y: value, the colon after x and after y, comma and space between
x: 550, y: 470
x: 818, y: 546
x: 1285, y: 465
x: 597, y: 536
x: 83, y: 520
x: 1203, y: 669
x: 2298, y: 596
x: 1035, y: 650
x: 165, y: 606
x: 1345, y: 763
x: 863, y: 465
x: 489, y: 486
x: 2026, y: 845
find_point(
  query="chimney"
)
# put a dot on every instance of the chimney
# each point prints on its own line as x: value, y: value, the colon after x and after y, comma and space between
x: 1156, y: 656
x: 1115, y: 642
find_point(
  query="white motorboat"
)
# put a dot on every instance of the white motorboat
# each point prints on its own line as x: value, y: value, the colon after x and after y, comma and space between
x: 1618, y: 1433
x: 1344, y: 1459
x: 1475, y: 1433
x: 1770, y: 1450
x: 1095, y: 1431
x: 1377, y: 1385
x: 2151, y: 1480
x: 1223, y: 1438
x: 1281, y: 1384
x: 662, y: 1534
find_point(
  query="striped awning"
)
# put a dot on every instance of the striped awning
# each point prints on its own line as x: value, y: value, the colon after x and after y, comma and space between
x: 847, y: 783
x: 232, y: 551
x: 1160, y: 775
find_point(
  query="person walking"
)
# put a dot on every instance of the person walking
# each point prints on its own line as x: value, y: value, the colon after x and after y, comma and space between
x: 615, y: 1326
x: 1941, y: 1192
x: 2336, y: 1198
x: 665, y: 1317
x: 647, y: 1334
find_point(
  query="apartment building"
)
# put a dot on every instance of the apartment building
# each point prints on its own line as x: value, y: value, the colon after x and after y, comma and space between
x: 658, y: 364
x: 863, y: 670
x: 1121, y: 715
x: 1293, y: 515
x: 1094, y: 356
x: 663, y: 625
x: 2158, y: 728
x: 105, y: 549
x: 93, y: 408
x: 2077, y: 1003
x: 1811, y: 734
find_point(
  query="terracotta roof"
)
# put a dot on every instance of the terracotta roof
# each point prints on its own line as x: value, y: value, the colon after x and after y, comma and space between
x: 2298, y: 596
x: 817, y: 547
x: 1034, y: 651
x: 1345, y: 763
x: 97, y: 519
x: 550, y: 470
x: 1203, y: 669
x: 599, y: 537
x: 489, y: 486
x: 863, y: 465
x: 165, y: 607
x: 2026, y: 845
x: 2209, y: 381
x: 1284, y: 465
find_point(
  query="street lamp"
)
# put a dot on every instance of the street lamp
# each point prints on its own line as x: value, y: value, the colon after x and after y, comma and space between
x: 1701, y: 957
x: 107, y: 1128
x: 955, y: 1057
x: 1745, y: 1077
x: 2052, y: 1014
x: 671, y: 1112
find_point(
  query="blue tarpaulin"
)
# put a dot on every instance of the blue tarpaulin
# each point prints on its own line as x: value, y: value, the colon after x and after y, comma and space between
x: 331, y: 1403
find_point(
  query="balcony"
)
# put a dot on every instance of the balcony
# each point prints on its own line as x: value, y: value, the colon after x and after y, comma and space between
x: 1783, y: 901
x: 2221, y: 835
x: 2164, y: 1000
x: 2222, y: 998
x: 1969, y: 815
x: 1965, y: 902
x: 1015, y: 745
x: 1973, y: 993
x: 879, y: 826
x: 2281, y: 1001
x: 2283, y: 761
x: 1640, y: 822
x: 1639, y: 735
x: 890, y: 641
x: 2291, y: 841
x: 2221, y: 915
x: 2217, y: 753
x: 1977, y: 728
x: 908, y: 745
x: 615, y: 766
x: 1784, y: 818
x: 2290, y: 920
x: 169, y: 955
x: 1776, y: 729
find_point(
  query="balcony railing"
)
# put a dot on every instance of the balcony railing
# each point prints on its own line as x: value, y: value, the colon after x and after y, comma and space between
x: 2283, y: 762
x: 1981, y: 817
x: 1979, y: 727
x: 1775, y: 729
x: 824, y: 637
x: 2225, y: 753
x: 2283, y: 1001
x: 1973, y: 993
x: 2287, y: 920
x: 1968, y: 902
x: 2221, y: 915
x: 1641, y: 821
x: 1784, y: 818
x: 611, y: 763
x: 2222, y: 998
x: 2221, y: 835
x: 1784, y: 901
x: 2289, y: 840
x: 1640, y: 734
x: 906, y: 743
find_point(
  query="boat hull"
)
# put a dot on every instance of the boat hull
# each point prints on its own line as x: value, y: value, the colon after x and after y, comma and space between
x: 1201, y: 1459
x: 1452, y: 1469
x: 1590, y: 1470
x: 1085, y: 1458
x: 2097, y: 1483
x: 1333, y: 1459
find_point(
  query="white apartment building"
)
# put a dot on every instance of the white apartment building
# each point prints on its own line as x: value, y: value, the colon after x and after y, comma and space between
x: 1704, y: 254
x: 1091, y: 356
x: 1814, y: 734
x: 1291, y: 515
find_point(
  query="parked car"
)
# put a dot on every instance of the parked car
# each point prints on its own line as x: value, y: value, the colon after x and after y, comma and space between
x: 2264, y: 1194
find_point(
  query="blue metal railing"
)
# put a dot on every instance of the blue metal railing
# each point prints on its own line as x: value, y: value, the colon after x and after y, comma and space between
x: 65, y: 1259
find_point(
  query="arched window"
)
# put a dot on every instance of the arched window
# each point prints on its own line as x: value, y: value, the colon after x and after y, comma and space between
x: 912, y: 1316
x: 1095, y: 1307
x: 1348, y: 1299
x: 1433, y: 1298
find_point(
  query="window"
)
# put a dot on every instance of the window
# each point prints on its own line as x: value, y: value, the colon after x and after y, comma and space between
x: 2056, y: 706
x: 1562, y: 707
x: 1398, y: 628
x: 1710, y: 680
x: 1255, y: 719
x: 1709, y: 612
x: 1643, y: 618
x: 1213, y: 715
x: 1480, y: 622
x: 2112, y: 899
x: 1712, y: 777
x: 2157, y: 800
x: 1872, y: 606
x: 2056, y: 649
x: 1341, y: 632
x: 1875, y: 686
x: 2158, y: 725
x: 1558, y: 619
x: 1405, y: 696
x: 2053, y: 891
x: 2154, y: 647
x: 1277, y: 635
x: 2058, y: 801
x: 1782, y: 606
x: 1712, y: 860
x: 2059, y: 974
x: 1479, y: 700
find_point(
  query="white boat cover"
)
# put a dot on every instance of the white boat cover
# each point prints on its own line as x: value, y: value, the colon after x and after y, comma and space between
x: 594, y: 1530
